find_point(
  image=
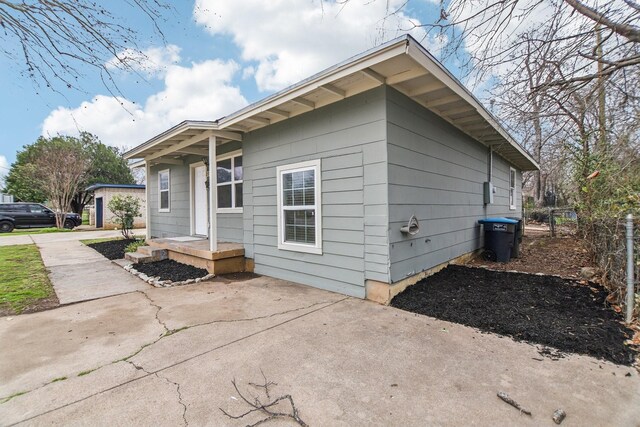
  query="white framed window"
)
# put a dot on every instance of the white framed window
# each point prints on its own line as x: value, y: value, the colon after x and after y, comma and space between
x: 164, y: 191
x: 300, y: 207
x: 512, y: 188
x: 229, y: 175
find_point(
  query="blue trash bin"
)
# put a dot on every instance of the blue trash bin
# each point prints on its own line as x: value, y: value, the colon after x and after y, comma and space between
x: 498, y: 238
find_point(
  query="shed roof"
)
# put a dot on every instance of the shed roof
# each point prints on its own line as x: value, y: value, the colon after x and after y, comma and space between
x: 95, y: 187
x: 402, y: 63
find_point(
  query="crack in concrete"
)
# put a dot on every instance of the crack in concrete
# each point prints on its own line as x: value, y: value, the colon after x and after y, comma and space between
x: 157, y: 375
x: 174, y: 364
x: 158, y: 308
x: 180, y: 401
x: 169, y: 332
x: 249, y: 319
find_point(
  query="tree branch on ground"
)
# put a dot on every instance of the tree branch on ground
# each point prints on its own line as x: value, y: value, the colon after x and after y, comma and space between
x: 270, y: 410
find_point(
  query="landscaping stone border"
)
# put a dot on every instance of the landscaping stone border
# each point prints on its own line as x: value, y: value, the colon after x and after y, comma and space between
x: 156, y: 282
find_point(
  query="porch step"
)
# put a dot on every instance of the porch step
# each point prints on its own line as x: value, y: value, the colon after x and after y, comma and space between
x: 149, y: 250
x: 228, y: 258
x: 146, y: 254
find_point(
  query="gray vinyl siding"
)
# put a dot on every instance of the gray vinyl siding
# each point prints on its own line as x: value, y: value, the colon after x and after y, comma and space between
x: 436, y: 173
x: 230, y: 227
x: 178, y: 222
x: 349, y: 138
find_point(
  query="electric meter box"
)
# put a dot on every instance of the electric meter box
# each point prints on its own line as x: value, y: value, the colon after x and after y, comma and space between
x: 489, y: 190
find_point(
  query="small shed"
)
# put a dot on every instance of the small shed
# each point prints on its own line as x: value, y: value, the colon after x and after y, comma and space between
x: 101, y: 217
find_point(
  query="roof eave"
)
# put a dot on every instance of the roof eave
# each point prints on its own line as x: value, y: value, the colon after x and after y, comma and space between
x: 357, y: 63
x: 175, y: 130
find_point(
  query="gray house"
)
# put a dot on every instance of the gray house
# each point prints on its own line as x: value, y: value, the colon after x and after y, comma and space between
x: 361, y: 179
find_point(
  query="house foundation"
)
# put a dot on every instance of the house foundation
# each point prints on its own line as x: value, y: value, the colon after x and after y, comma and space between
x: 383, y: 293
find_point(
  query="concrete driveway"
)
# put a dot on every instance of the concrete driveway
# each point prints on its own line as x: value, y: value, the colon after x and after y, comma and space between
x: 168, y: 357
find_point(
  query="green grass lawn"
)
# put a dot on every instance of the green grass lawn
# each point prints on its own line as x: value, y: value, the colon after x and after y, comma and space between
x: 21, y: 231
x: 100, y: 240
x: 23, y: 279
x: 106, y: 239
x: 85, y: 217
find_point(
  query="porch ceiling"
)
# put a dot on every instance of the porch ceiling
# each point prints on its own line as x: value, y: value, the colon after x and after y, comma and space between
x: 187, y: 138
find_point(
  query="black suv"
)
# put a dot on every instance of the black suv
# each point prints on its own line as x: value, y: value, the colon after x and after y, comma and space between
x: 32, y: 215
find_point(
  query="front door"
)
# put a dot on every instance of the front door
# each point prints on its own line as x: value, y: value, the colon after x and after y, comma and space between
x: 200, y: 201
x: 98, y: 212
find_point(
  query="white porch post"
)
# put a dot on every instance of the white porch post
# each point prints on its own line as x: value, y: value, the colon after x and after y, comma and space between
x: 213, y: 193
x: 147, y: 195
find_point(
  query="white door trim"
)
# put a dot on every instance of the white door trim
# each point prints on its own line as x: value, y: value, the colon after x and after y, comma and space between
x: 192, y: 198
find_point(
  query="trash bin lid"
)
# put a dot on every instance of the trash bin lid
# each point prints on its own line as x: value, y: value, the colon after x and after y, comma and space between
x: 497, y: 220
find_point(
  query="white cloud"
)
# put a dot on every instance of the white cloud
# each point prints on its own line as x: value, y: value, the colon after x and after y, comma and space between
x: 291, y: 40
x: 153, y: 61
x: 201, y: 92
x: 281, y: 42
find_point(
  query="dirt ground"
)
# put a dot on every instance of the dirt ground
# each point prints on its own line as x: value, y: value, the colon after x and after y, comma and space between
x: 562, y: 256
x: 37, y: 305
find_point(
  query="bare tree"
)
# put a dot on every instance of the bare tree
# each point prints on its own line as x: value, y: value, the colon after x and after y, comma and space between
x: 489, y: 31
x: 59, y: 167
x: 53, y: 41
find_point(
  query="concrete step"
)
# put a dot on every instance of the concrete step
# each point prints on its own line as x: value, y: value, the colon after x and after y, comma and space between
x: 139, y: 257
x: 150, y: 250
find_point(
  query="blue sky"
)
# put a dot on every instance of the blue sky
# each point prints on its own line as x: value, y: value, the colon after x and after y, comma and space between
x: 217, y: 56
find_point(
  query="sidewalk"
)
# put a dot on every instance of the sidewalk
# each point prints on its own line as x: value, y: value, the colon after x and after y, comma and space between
x: 77, y: 272
x: 27, y: 239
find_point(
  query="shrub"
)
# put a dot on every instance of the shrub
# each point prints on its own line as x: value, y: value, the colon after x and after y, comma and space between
x: 133, y: 246
x: 125, y: 209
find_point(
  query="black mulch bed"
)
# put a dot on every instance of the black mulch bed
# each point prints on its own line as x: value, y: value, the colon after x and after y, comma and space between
x: 112, y: 249
x: 551, y: 311
x: 169, y: 269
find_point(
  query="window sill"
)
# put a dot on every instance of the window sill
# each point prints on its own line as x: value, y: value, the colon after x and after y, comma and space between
x: 164, y: 210
x: 230, y: 210
x: 512, y: 208
x: 300, y: 248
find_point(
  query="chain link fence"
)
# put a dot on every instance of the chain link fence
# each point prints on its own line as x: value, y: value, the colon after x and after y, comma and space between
x: 608, y: 244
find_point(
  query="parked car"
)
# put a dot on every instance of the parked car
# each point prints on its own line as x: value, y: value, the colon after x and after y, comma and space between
x: 32, y: 215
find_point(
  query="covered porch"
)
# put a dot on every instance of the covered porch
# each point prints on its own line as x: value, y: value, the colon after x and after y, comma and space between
x: 194, y: 194
x: 227, y: 258
x: 186, y: 200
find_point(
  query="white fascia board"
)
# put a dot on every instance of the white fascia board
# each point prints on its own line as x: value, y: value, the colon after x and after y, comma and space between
x: 168, y: 134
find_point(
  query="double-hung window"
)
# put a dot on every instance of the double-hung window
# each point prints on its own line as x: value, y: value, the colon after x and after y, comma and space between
x: 299, y: 207
x: 512, y: 188
x: 229, y: 175
x: 164, y: 189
